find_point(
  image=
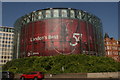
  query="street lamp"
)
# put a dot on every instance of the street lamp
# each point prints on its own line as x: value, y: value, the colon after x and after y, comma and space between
x: 81, y: 42
x: 63, y: 69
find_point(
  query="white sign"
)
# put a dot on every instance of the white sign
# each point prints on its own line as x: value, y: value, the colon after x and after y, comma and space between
x: 44, y: 38
x: 77, y: 39
x: 76, y: 36
x: 34, y: 53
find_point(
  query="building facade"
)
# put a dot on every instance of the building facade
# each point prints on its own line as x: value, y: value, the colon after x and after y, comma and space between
x: 55, y: 31
x: 112, y: 48
x: 6, y: 44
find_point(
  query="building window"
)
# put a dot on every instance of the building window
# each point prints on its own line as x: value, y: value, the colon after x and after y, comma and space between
x: 55, y: 13
x: 6, y: 34
x: 4, y: 57
x: 1, y: 34
x: 114, y: 48
x: 35, y: 16
x: 11, y: 41
x: 119, y: 53
x: 79, y: 15
x: 8, y: 45
x: 3, y: 45
x: 107, y: 42
x: 4, y: 61
x: 89, y: 18
x: 6, y: 30
x: 12, y: 34
x: 113, y: 43
x: 2, y: 41
x: 1, y: 29
x: 108, y: 47
x: 28, y: 19
x: 63, y: 13
x: 118, y: 48
x: 108, y: 53
x: 83, y: 16
x: 72, y: 13
x: 48, y: 14
x: 39, y: 15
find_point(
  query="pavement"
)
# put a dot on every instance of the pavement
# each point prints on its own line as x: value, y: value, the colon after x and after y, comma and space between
x: 79, y: 79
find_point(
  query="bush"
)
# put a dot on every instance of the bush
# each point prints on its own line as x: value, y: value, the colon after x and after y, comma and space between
x: 63, y: 64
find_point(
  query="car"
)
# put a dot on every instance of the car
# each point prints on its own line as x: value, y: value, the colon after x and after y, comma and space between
x: 7, y: 75
x: 35, y: 75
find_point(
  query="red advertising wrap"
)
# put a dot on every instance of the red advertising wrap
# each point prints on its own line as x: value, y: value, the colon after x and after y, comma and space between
x: 54, y: 36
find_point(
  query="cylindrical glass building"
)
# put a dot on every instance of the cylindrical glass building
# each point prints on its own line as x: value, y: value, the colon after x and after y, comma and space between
x: 54, y: 31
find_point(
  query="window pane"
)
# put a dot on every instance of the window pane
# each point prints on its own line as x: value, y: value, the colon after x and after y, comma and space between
x: 79, y: 14
x: 28, y: 20
x: 63, y: 13
x: 48, y: 14
x: 35, y: 18
x: 40, y: 15
x: 0, y: 29
x: 89, y: 18
x: 24, y: 21
x: 72, y: 13
x: 83, y: 16
x: 55, y: 13
x: 1, y: 34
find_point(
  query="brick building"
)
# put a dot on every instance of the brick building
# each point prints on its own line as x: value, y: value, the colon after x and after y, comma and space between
x: 112, y: 47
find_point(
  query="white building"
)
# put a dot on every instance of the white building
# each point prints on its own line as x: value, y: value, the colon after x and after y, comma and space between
x: 6, y: 44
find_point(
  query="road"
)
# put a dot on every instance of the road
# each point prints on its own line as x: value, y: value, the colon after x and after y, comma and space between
x: 81, y: 79
x: 78, y: 79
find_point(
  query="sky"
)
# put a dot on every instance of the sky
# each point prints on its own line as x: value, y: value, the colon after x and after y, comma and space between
x: 106, y: 11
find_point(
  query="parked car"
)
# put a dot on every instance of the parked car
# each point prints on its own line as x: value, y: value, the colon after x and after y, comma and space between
x: 36, y: 75
x: 7, y: 75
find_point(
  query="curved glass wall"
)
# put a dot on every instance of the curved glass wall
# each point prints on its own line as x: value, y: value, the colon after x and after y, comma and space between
x: 56, y: 31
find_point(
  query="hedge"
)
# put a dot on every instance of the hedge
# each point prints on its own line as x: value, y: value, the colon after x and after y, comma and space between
x: 63, y: 64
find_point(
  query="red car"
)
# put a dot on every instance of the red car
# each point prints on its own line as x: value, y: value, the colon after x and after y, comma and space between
x: 36, y: 75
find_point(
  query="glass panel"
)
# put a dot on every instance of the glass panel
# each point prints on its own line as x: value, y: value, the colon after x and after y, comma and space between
x: 91, y: 38
x: 63, y: 13
x: 48, y: 14
x: 35, y: 18
x: 55, y: 13
x: 72, y: 13
x: 83, y: 16
x: 0, y: 29
x: 40, y: 15
x: 24, y: 21
x: 85, y: 45
x: 28, y: 20
x: 1, y: 34
x: 89, y: 18
x: 79, y: 14
x: 5, y: 29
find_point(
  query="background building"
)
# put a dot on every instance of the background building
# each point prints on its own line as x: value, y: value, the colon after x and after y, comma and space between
x: 112, y: 47
x: 54, y: 31
x: 6, y: 44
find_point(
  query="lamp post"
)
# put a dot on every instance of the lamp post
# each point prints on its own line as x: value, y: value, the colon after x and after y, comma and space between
x: 81, y: 42
x: 63, y: 69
